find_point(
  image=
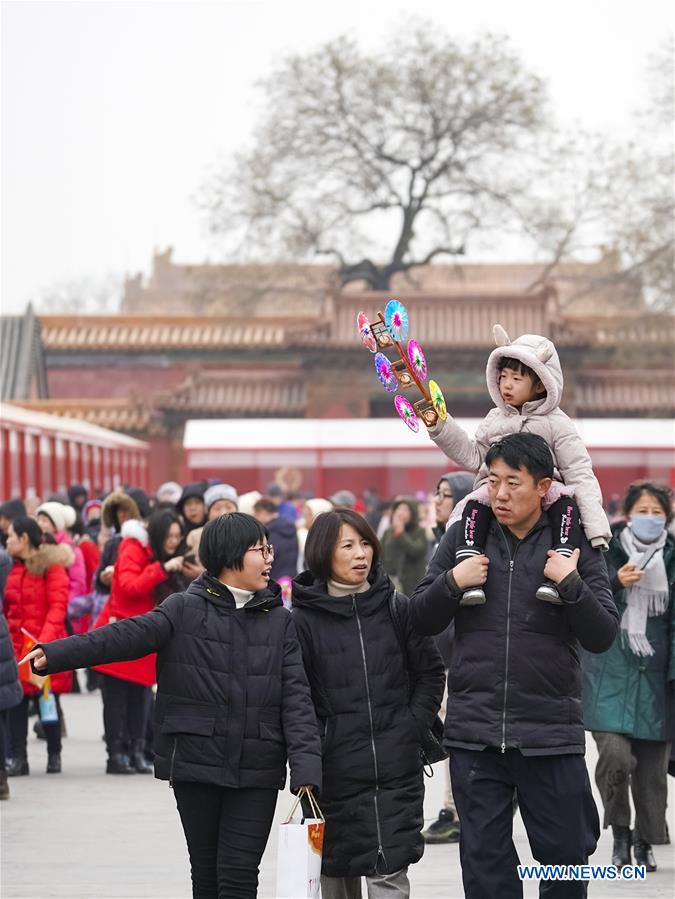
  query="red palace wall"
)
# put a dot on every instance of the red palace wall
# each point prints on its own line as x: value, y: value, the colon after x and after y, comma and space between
x: 112, y: 383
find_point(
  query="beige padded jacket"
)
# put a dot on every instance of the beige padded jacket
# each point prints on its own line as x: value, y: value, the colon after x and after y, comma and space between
x: 543, y: 417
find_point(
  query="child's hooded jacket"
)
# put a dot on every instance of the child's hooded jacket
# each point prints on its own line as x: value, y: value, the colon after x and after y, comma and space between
x: 542, y: 416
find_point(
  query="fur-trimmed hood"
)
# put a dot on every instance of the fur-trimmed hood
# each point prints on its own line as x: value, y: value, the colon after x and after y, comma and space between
x: 539, y: 354
x: 136, y: 530
x: 118, y: 499
x: 47, y: 556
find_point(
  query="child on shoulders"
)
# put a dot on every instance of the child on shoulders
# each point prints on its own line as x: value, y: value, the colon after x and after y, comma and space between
x: 525, y: 381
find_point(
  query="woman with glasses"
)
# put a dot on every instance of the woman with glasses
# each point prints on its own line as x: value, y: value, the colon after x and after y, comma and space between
x: 233, y: 702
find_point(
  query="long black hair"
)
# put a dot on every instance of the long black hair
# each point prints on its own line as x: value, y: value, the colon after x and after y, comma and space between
x: 159, y: 524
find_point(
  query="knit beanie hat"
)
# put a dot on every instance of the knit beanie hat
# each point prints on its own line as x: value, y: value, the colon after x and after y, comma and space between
x: 220, y: 491
x: 56, y: 512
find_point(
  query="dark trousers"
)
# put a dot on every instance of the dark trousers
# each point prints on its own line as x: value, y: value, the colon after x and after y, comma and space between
x: 125, y: 712
x: 18, y: 730
x: 226, y: 832
x: 4, y: 738
x: 638, y: 766
x: 557, y: 808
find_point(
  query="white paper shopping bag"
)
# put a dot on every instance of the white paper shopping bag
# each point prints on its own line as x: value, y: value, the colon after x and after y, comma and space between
x: 299, y: 854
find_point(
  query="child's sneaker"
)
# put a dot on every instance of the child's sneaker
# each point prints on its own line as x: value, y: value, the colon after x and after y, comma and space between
x: 475, y: 596
x: 549, y: 593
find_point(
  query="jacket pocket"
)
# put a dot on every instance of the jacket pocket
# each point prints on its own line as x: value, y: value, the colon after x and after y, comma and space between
x: 269, y: 731
x: 188, y: 724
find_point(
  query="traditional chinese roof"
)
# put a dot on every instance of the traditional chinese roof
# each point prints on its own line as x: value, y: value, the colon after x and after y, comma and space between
x: 603, y: 393
x: 260, y: 393
x: 118, y: 414
x: 133, y: 333
x: 22, y: 365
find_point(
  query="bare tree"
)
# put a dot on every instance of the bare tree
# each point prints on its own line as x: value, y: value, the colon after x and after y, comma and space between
x: 591, y: 196
x: 85, y: 296
x: 383, y: 161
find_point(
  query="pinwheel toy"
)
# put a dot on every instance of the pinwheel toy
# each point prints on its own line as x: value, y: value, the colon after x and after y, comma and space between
x: 409, y: 371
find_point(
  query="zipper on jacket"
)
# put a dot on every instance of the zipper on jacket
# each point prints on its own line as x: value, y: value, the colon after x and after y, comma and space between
x: 173, y: 759
x: 512, y: 560
x: 380, y: 850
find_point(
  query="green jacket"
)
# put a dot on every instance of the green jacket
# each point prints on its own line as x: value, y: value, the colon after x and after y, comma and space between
x: 404, y: 558
x: 628, y: 694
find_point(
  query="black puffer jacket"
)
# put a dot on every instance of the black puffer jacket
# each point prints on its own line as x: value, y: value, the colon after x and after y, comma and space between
x: 371, y: 728
x: 232, y: 696
x: 11, y: 692
x: 515, y: 676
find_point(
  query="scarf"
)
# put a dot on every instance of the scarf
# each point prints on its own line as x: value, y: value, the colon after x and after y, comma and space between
x: 647, y: 598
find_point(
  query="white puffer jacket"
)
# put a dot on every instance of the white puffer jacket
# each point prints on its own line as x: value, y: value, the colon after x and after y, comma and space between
x: 543, y: 417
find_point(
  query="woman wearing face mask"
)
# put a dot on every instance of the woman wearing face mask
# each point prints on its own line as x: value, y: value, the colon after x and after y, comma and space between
x: 628, y: 690
x: 374, y: 702
x: 233, y: 702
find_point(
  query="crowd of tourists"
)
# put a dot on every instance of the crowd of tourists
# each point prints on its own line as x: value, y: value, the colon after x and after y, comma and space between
x: 232, y: 634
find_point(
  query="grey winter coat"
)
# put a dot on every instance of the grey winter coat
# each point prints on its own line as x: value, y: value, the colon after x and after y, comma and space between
x: 543, y: 417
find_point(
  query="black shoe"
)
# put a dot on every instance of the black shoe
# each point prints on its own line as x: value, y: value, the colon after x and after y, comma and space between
x: 475, y: 596
x: 119, y: 764
x: 621, y: 848
x: 4, y: 786
x: 17, y: 767
x: 549, y: 593
x: 54, y: 763
x: 643, y: 854
x: 445, y: 829
x: 138, y: 759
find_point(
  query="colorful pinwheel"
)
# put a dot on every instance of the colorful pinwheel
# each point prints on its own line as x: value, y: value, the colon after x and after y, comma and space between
x: 385, y: 374
x: 438, y: 400
x: 396, y: 319
x: 407, y: 413
x: 417, y: 360
x: 365, y: 332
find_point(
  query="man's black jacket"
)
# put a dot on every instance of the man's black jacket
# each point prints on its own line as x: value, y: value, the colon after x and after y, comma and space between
x: 515, y: 677
x: 233, y: 701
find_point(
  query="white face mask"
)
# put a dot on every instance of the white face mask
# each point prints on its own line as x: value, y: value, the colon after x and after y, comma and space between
x: 647, y: 528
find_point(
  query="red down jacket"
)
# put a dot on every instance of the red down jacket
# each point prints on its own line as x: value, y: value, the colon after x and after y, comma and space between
x: 136, y: 575
x: 36, y: 598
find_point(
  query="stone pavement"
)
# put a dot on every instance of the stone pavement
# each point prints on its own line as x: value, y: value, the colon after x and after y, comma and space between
x: 85, y: 835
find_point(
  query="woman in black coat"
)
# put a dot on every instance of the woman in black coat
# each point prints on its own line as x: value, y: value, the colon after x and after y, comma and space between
x: 11, y: 695
x: 374, y: 704
x: 233, y: 702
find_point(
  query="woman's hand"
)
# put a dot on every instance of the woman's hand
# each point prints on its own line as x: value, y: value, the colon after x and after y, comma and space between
x: 38, y: 657
x: 174, y: 564
x: 106, y: 575
x: 192, y: 570
x: 628, y: 574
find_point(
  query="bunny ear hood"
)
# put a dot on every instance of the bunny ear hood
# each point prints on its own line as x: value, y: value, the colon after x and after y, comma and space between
x: 539, y: 354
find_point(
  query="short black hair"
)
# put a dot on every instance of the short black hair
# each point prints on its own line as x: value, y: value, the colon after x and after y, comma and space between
x: 225, y: 540
x: 517, y: 365
x: 324, y: 535
x: 528, y: 451
x: 22, y: 524
x: 662, y: 494
x: 159, y: 522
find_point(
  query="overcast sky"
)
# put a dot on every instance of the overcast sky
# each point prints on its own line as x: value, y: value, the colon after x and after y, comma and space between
x: 113, y: 112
